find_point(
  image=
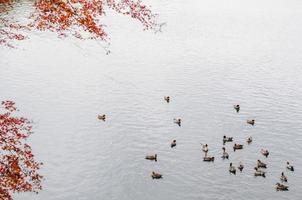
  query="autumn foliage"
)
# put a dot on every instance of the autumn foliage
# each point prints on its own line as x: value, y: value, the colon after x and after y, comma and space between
x: 18, y: 168
x: 79, y: 18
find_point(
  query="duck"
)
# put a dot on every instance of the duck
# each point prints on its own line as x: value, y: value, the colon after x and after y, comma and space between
x: 177, y: 121
x: 265, y: 152
x: 232, y: 169
x: 261, y: 164
x: 251, y: 122
x: 281, y: 187
x: 249, y: 140
x: 208, y: 158
x: 227, y: 139
x: 283, y: 178
x: 151, y: 157
x: 155, y: 175
x: 205, y: 148
x: 289, y: 167
x: 237, y: 146
x: 237, y: 107
x: 167, y: 99
x: 259, y: 172
x: 241, y: 166
x: 102, y: 117
x: 173, y: 143
x: 225, y: 155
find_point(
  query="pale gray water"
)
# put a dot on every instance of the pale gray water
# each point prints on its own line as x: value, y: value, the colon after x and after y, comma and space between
x: 211, y: 55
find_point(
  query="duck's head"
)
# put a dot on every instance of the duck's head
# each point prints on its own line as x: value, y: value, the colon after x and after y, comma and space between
x: 287, y: 162
x: 223, y: 148
x: 174, y: 141
x: 231, y: 164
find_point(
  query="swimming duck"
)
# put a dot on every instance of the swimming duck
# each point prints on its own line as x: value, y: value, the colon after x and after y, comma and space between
x: 251, y: 122
x: 281, y: 187
x: 283, y: 178
x: 208, y: 158
x: 155, y: 175
x: 232, y: 169
x: 167, y: 99
x: 227, y: 139
x: 289, y: 167
x: 151, y: 157
x: 205, y: 148
x: 241, y: 166
x: 264, y: 152
x: 173, y: 143
x: 177, y: 121
x: 102, y: 117
x: 259, y: 172
x: 225, y: 155
x: 261, y: 164
x: 237, y: 107
x: 249, y: 140
x: 237, y: 146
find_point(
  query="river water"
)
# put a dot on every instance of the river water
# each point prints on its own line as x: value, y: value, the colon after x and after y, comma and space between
x: 211, y: 54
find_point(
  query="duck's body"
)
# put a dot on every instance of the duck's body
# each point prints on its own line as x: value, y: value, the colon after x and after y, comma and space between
x: 177, y: 121
x: 265, y: 152
x: 251, y: 122
x: 283, y: 178
x: 237, y: 146
x: 205, y: 148
x: 281, y: 187
x: 151, y: 157
x: 167, y: 99
x: 155, y: 175
x: 209, y: 159
x: 249, y: 140
x: 261, y: 164
x: 227, y: 139
x: 289, y: 167
x: 173, y: 143
x: 102, y: 117
x: 237, y: 107
x: 225, y: 155
x: 241, y: 166
x: 259, y: 172
x: 232, y: 169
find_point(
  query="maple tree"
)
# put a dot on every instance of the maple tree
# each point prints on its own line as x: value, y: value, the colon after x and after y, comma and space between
x: 70, y: 17
x: 18, y: 168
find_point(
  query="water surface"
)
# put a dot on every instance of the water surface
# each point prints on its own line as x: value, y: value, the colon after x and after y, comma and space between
x: 211, y: 55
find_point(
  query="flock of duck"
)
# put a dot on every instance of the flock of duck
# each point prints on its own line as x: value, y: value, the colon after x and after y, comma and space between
x: 259, y: 168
